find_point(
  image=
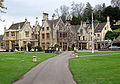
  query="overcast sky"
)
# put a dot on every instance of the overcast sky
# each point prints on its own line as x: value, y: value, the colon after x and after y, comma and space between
x: 19, y: 9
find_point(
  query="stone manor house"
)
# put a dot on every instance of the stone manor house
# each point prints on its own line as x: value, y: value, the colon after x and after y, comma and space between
x: 55, y: 31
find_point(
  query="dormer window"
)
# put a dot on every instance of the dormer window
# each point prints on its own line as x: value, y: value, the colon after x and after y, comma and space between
x: 27, y: 33
x: 43, y: 29
x: 43, y: 36
x: 7, y: 34
x: 105, y: 28
x: 98, y: 35
x: 83, y: 38
x: 47, y: 28
x: 12, y: 33
x: 79, y: 37
x: 81, y: 30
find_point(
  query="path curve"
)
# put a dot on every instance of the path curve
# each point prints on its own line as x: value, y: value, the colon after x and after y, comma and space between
x: 52, y: 71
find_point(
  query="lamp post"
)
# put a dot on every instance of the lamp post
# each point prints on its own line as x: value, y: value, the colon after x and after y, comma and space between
x: 92, y: 35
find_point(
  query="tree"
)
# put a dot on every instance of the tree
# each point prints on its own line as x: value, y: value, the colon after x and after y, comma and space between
x: 98, y: 13
x: 2, y: 6
x: 76, y: 13
x: 63, y: 11
x: 111, y: 35
x: 115, y: 3
x: 77, y: 8
x: 87, y: 12
x: 113, y: 12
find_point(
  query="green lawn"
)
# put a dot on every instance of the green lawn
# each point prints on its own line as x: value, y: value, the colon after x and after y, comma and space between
x: 89, y: 53
x: 96, y: 70
x: 117, y: 30
x: 13, y: 65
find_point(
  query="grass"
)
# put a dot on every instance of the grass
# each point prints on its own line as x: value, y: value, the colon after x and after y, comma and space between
x: 13, y: 65
x: 96, y: 70
x: 117, y: 30
x: 89, y: 53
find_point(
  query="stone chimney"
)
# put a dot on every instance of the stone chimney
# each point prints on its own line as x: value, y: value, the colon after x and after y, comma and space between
x: 4, y: 28
x: 108, y: 19
x: 84, y: 24
x: 53, y: 17
x: 68, y: 22
x: 45, y: 17
x: 25, y: 19
x: 37, y: 20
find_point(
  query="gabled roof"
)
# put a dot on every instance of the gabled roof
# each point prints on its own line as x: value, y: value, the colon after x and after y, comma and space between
x: 98, y: 27
x: 51, y: 22
x: 75, y: 28
x: 16, y: 26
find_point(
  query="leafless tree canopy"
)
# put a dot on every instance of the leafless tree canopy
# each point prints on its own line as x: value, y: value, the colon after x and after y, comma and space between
x: 77, y: 8
x: 115, y: 3
x: 2, y: 6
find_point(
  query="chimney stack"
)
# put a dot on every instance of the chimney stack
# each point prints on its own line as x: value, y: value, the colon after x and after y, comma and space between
x: 45, y: 17
x: 53, y: 17
x: 108, y: 19
x: 5, y: 28
x: 25, y: 19
x: 37, y: 20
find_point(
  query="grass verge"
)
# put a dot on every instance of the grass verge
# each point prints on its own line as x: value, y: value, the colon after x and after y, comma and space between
x: 89, y: 53
x: 96, y: 70
x: 13, y: 65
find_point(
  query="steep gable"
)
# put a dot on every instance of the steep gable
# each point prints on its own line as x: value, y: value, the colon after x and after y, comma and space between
x: 74, y: 28
x: 52, y: 22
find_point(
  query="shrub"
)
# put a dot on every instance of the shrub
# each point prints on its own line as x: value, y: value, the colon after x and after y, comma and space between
x: 29, y: 46
x: 11, y: 50
x: 7, y: 50
x: 39, y: 48
x: 22, y: 48
x: 70, y: 49
x: 19, y: 52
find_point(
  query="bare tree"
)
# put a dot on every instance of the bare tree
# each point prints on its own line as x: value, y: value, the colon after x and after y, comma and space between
x: 115, y: 3
x: 63, y: 11
x: 57, y: 12
x: 98, y: 9
x: 2, y: 6
x: 77, y: 8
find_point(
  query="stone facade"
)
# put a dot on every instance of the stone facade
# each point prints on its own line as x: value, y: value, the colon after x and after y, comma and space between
x: 20, y: 35
x: 55, y: 31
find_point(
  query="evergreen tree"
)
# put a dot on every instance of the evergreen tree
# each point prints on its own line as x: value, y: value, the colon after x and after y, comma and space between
x: 87, y: 14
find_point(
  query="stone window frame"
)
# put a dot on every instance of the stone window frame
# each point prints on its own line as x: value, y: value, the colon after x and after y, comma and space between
x: 105, y: 28
x: 47, y: 28
x: 43, y: 36
x: 98, y: 35
x: 48, y: 35
x: 27, y: 33
x: 43, y: 29
x: 7, y: 34
x: 79, y: 38
x: 83, y: 38
x: 12, y: 34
